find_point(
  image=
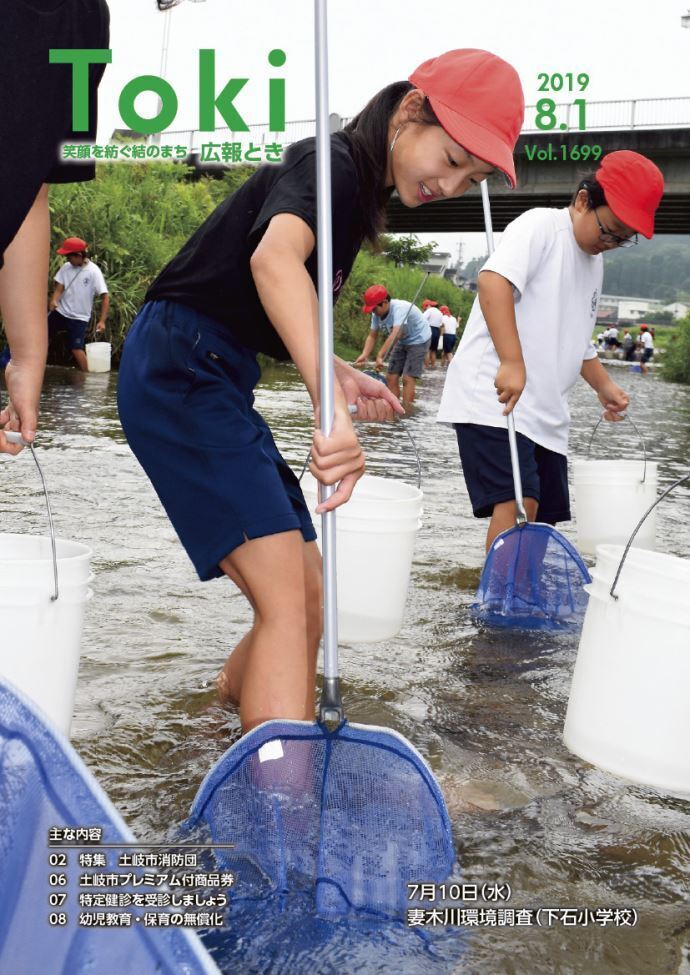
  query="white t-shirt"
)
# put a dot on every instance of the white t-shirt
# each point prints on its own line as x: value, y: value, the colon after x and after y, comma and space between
x: 647, y: 340
x: 450, y: 324
x: 611, y: 333
x: 433, y: 316
x: 556, y: 287
x: 82, y: 285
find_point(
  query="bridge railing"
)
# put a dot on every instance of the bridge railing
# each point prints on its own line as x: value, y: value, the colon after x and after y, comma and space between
x: 641, y: 113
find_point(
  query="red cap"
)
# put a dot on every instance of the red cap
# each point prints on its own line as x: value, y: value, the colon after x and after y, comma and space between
x: 477, y: 97
x: 73, y: 245
x: 427, y: 302
x: 445, y: 309
x: 372, y: 296
x: 633, y: 187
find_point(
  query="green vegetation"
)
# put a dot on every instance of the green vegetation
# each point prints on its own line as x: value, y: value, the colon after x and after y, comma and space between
x: 136, y: 217
x: 677, y: 358
x: 657, y: 268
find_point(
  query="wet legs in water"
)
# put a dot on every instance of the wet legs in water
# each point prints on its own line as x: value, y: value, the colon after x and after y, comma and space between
x: 271, y: 672
x: 408, y: 387
x: 503, y: 518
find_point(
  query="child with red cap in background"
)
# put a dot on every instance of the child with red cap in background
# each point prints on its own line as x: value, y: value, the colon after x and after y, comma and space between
x: 245, y: 283
x: 528, y: 338
x: 449, y: 329
x: 407, y: 338
x: 432, y: 315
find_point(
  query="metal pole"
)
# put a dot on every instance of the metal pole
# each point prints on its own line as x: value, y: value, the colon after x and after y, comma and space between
x: 331, y: 708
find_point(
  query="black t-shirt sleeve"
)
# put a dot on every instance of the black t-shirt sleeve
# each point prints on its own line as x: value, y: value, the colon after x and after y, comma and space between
x: 295, y: 192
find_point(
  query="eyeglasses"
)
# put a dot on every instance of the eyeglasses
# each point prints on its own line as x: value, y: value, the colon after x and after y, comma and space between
x: 609, y: 238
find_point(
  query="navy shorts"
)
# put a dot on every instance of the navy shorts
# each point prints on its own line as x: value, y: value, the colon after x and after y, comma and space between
x: 485, y: 457
x: 76, y: 330
x: 186, y: 403
x: 435, y: 335
x: 647, y: 355
x: 449, y: 343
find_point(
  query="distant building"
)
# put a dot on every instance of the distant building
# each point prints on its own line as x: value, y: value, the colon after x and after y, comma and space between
x: 677, y: 309
x: 438, y: 262
x: 620, y: 308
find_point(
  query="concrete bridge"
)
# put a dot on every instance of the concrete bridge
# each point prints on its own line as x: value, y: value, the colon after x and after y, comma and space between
x: 549, y: 164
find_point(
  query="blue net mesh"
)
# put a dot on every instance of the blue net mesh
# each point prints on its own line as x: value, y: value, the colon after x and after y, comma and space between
x: 353, y: 814
x: 44, y: 783
x: 533, y: 578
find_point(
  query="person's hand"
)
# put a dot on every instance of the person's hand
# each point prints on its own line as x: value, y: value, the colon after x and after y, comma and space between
x: 23, y: 383
x: 379, y: 362
x: 509, y: 382
x: 373, y: 399
x: 614, y: 400
x: 100, y: 327
x: 360, y: 360
x: 337, y: 458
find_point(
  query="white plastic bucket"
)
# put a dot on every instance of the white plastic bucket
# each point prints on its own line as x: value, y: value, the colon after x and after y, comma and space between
x: 375, y: 538
x: 98, y: 356
x: 628, y: 710
x: 41, y: 637
x: 610, y: 498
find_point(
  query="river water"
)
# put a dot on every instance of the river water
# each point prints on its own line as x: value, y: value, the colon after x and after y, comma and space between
x: 486, y: 709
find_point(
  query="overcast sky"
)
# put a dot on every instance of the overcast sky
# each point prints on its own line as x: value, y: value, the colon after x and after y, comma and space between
x: 629, y: 48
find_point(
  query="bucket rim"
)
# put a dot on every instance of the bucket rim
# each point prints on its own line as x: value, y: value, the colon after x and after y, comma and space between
x: 85, y: 549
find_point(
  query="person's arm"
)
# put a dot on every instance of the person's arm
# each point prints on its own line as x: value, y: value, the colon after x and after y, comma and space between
x: 614, y: 400
x: 23, y: 298
x: 105, y: 308
x: 369, y: 344
x: 57, y: 294
x: 289, y: 299
x: 498, y: 307
x: 391, y: 339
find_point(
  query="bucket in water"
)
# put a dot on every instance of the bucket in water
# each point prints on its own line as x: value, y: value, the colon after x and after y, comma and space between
x: 375, y: 538
x: 628, y: 710
x: 610, y: 498
x: 98, y: 356
x: 44, y: 586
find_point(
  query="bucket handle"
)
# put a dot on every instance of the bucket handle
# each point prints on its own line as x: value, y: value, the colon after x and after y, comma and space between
x: 644, y: 447
x: 685, y: 477
x: 14, y: 437
x: 353, y: 409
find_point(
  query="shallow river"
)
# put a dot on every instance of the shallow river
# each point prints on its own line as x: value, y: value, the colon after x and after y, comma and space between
x: 485, y: 708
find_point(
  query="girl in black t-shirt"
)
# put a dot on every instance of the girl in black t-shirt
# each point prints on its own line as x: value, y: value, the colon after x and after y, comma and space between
x: 246, y: 282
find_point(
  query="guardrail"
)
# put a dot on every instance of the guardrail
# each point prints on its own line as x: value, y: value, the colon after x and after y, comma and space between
x: 640, y: 113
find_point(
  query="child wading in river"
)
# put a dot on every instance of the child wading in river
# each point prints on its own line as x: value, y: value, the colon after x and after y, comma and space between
x: 245, y: 283
x: 528, y: 338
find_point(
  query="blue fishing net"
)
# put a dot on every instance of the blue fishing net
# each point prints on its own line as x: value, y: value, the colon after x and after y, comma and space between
x: 353, y: 815
x: 533, y: 578
x: 44, y: 783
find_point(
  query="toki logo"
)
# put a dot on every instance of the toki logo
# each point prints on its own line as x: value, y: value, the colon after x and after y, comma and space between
x: 595, y: 299
x: 337, y: 282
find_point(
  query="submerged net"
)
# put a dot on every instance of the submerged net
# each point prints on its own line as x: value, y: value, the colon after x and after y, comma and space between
x: 43, y: 784
x: 533, y: 578
x: 353, y: 815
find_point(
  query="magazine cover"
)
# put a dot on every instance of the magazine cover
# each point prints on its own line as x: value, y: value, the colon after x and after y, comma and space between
x: 344, y: 479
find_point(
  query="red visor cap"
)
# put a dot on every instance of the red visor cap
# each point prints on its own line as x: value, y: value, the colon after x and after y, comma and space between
x: 633, y: 187
x: 73, y: 245
x: 428, y: 303
x: 477, y: 97
x: 372, y: 296
x: 445, y: 309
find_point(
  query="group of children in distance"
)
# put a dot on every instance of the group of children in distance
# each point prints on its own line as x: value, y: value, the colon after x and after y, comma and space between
x: 245, y: 282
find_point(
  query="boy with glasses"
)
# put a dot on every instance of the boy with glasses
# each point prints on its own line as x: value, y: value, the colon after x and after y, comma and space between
x: 528, y: 338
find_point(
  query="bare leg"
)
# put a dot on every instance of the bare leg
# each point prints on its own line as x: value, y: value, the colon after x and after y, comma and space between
x: 393, y: 383
x: 80, y: 359
x: 273, y: 668
x: 503, y: 518
x: 409, y: 384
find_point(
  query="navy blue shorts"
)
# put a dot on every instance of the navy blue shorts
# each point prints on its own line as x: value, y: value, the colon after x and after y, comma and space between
x: 76, y: 330
x: 186, y: 404
x: 485, y: 457
x: 449, y: 343
x: 435, y: 335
